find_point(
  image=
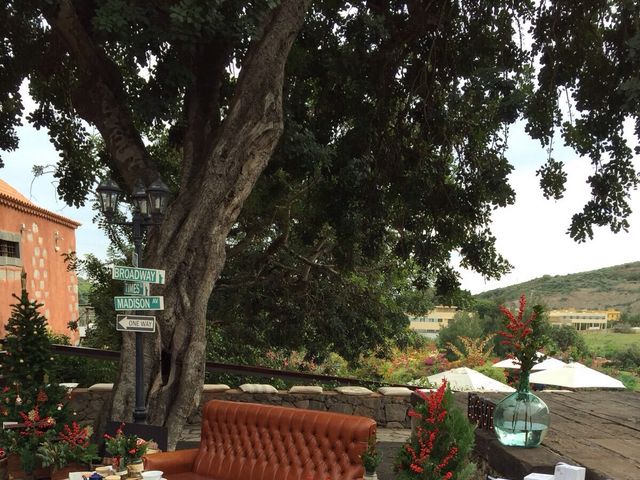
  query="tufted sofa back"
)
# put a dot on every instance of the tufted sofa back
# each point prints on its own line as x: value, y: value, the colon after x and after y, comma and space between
x: 247, y: 441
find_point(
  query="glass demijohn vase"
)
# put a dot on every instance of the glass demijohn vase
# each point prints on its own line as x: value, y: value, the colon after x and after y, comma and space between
x: 522, y: 418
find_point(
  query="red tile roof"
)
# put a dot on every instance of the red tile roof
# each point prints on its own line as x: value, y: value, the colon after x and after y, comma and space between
x: 11, y: 197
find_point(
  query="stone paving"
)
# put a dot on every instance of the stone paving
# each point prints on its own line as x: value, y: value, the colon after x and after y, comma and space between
x: 393, y: 435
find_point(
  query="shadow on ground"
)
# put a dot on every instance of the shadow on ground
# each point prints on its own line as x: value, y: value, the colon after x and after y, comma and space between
x: 389, y: 451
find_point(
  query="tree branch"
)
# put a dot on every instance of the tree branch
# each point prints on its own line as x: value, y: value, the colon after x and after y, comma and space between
x: 202, y: 106
x: 98, y: 98
x: 245, y: 141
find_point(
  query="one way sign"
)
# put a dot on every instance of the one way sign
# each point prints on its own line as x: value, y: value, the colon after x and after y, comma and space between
x: 136, y: 323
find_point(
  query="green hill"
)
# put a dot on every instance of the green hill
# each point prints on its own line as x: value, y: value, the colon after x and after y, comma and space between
x: 612, y: 287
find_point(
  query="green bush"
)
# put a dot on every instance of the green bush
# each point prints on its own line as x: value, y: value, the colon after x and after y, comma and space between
x: 492, y: 372
x: 569, y: 341
x: 622, y: 328
x: 628, y: 358
x: 84, y: 371
x: 629, y: 380
x: 441, y: 443
x: 463, y: 325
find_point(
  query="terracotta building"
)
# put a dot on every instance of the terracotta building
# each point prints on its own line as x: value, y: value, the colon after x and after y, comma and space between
x: 36, y: 239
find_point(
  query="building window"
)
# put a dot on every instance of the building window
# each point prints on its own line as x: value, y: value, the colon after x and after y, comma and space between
x: 10, y: 249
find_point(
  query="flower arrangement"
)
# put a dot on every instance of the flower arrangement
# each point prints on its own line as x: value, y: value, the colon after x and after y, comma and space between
x: 41, y: 436
x: 370, y: 457
x: 35, y: 426
x: 71, y: 445
x: 125, y: 449
x: 440, y: 446
x: 525, y: 338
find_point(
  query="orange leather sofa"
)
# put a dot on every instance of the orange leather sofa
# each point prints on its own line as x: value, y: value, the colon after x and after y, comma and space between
x: 247, y: 441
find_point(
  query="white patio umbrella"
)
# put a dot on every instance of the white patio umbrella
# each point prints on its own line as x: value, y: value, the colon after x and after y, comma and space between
x: 575, y: 375
x: 546, y: 364
x: 464, y: 379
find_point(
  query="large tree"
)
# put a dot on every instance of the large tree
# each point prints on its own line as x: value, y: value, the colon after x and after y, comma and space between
x: 395, y: 118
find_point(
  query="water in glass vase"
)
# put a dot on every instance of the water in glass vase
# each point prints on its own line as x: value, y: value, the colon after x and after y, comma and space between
x: 529, y: 436
x: 521, y: 420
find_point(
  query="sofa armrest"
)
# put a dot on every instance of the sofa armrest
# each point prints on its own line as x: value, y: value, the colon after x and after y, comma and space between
x: 179, y: 461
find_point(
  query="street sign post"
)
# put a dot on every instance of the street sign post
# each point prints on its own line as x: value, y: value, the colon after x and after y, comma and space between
x: 136, y: 323
x: 134, y: 274
x: 139, y: 303
x: 136, y: 289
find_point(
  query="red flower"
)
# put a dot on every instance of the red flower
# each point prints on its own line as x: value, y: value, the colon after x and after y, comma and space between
x: 434, y: 416
x: 519, y: 335
x: 75, y: 435
x: 127, y: 446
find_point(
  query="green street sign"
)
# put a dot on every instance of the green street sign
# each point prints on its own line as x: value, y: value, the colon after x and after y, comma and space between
x: 139, y: 303
x: 134, y: 274
x: 137, y: 289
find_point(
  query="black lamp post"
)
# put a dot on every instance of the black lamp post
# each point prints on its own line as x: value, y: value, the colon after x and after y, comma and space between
x: 149, y: 206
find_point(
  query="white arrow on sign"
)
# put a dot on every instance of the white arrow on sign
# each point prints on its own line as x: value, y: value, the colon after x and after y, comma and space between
x: 136, y: 323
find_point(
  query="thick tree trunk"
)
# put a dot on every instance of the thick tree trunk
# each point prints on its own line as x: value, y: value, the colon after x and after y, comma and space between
x: 190, y: 245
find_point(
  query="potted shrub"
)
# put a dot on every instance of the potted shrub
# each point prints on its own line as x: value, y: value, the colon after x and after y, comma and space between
x: 70, y: 450
x: 36, y: 405
x: 371, y: 459
x: 23, y: 442
x: 441, y: 443
x: 127, y: 451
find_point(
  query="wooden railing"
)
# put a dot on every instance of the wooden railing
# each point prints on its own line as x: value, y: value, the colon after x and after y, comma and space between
x: 233, y: 369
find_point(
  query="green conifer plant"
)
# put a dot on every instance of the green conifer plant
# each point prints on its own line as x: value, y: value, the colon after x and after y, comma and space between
x: 28, y: 396
x: 29, y: 355
x: 441, y: 442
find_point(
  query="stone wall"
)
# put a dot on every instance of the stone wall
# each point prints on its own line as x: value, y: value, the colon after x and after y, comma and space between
x: 389, y: 411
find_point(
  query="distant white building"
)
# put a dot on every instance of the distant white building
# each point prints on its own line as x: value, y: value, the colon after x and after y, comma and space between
x: 583, y: 319
x: 430, y: 323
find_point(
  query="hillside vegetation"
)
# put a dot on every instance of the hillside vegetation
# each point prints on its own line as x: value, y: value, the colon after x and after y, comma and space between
x: 612, y: 287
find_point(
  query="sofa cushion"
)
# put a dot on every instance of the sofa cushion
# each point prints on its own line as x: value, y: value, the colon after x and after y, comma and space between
x: 245, y: 441
x: 354, y: 390
x: 305, y: 389
x: 257, y: 388
x: 101, y: 387
x: 395, y: 391
x: 215, y: 387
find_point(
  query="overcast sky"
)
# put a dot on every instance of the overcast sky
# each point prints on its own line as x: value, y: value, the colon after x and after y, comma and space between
x: 531, y: 233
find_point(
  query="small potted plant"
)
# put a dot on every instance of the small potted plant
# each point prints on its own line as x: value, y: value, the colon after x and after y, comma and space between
x: 371, y: 459
x: 522, y: 418
x: 127, y: 451
x: 70, y: 450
